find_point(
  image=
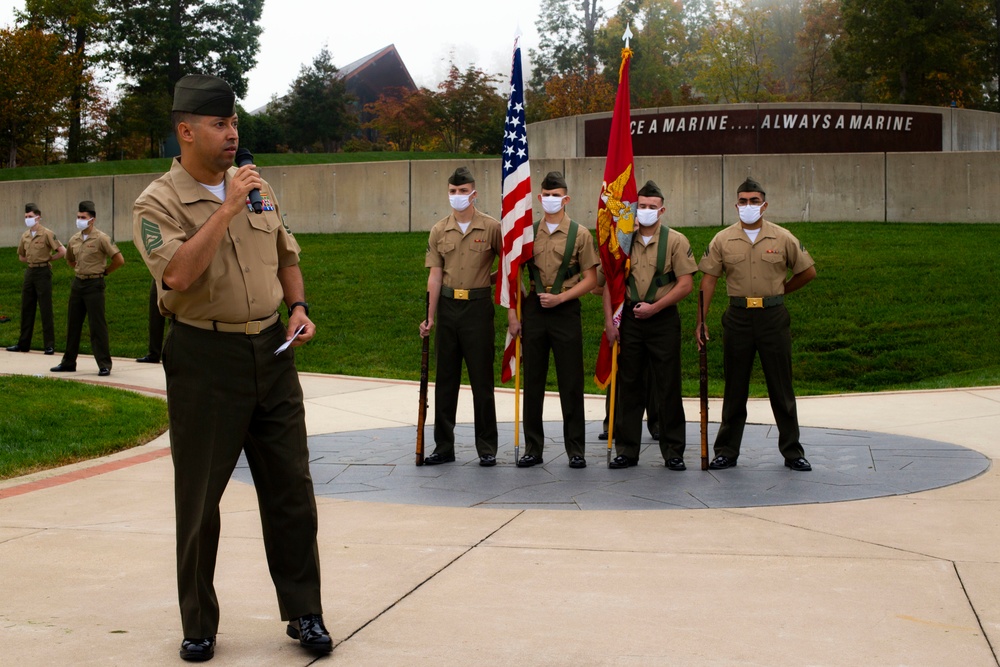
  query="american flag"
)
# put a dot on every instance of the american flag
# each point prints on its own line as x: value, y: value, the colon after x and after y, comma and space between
x: 515, y: 223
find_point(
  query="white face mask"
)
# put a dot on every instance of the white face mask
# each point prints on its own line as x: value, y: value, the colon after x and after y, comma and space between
x: 750, y: 213
x: 83, y: 224
x: 461, y: 202
x: 30, y: 221
x: 552, y: 204
x: 647, y: 217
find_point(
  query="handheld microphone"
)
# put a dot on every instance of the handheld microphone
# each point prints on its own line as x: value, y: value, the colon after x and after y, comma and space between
x: 245, y: 157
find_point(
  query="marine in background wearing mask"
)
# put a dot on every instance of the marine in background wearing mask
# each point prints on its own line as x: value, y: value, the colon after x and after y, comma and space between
x: 756, y: 256
x: 661, y: 275
x: 88, y: 255
x: 461, y: 250
x: 38, y: 248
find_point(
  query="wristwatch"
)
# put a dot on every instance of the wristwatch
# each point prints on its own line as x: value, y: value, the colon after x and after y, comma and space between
x: 296, y: 305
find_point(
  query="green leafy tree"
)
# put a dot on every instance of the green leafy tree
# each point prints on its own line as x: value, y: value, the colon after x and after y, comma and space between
x: 81, y: 23
x: 261, y: 132
x: 156, y: 42
x: 736, y: 66
x: 138, y: 123
x: 465, y: 109
x: 317, y: 111
x: 934, y: 52
x: 38, y: 77
x: 568, y: 30
x: 658, y: 69
x: 784, y: 22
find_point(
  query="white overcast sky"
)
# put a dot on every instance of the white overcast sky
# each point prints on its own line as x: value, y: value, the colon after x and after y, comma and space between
x: 426, y: 34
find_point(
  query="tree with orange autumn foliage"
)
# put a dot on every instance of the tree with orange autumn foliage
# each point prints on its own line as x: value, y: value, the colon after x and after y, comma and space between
x: 38, y: 77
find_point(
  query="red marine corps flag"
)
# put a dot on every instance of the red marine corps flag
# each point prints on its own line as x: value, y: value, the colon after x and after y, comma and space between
x: 515, y: 219
x: 616, y: 211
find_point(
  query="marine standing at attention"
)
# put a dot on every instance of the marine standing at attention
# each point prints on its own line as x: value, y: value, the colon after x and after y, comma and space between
x: 756, y: 256
x: 461, y: 250
x: 88, y: 254
x: 38, y: 248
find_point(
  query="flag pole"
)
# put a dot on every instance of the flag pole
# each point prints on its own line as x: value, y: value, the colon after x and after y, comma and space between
x: 517, y: 385
x: 611, y: 388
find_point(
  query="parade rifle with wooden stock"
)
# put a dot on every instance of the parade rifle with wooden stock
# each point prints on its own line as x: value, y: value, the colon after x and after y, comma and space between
x: 424, y: 362
x: 703, y: 380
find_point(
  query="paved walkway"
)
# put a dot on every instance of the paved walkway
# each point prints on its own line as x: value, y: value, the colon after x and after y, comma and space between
x: 87, y: 554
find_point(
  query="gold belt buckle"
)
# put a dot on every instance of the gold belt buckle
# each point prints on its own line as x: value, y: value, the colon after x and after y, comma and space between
x: 548, y: 290
x: 462, y: 294
x: 252, y: 330
x: 755, y: 302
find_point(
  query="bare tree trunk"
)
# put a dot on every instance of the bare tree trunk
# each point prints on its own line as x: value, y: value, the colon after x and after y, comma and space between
x: 76, y: 101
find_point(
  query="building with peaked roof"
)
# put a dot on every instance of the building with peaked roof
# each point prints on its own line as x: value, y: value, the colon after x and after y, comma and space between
x: 372, y: 75
x: 367, y: 78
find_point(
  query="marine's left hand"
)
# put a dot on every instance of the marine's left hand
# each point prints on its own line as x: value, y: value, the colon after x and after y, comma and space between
x: 297, y: 319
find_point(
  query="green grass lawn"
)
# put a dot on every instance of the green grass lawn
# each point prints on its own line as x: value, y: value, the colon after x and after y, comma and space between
x: 895, y: 306
x: 50, y: 422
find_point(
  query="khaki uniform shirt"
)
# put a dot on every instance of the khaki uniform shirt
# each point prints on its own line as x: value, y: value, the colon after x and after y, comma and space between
x: 241, y: 282
x: 466, y: 260
x: 758, y: 269
x: 38, y: 249
x: 550, y: 248
x: 91, y: 255
x: 679, y: 259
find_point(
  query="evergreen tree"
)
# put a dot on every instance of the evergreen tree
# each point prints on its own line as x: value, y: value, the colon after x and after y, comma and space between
x: 317, y: 112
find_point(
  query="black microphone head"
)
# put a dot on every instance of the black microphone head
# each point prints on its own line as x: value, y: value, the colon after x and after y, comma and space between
x: 243, y: 156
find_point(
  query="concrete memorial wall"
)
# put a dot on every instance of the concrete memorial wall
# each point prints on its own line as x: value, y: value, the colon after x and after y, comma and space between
x: 957, y: 182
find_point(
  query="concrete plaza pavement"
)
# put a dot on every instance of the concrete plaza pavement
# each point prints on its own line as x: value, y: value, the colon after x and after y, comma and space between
x: 87, y: 559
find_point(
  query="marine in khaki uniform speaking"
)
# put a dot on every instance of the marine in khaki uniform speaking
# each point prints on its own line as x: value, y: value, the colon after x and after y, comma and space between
x: 461, y: 250
x: 222, y: 271
x: 756, y: 256
x: 88, y: 253
x: 38, y: 248
x: 562, y: 270
x: 662, y: 266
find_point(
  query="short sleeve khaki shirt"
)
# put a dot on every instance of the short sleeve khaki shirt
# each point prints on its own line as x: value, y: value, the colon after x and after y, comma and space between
x: 38, y: 248
x: 551, y: 246
x: 90, y: 254
x: 679, y: 259
x: 756, y: 269
x: 241, y: 282
x: 466, y: 260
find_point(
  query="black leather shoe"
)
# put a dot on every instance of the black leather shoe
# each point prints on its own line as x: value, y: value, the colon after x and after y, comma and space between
x: 623, y: 462
x: 50, y: 351
x: 655, y: 435
x: 16, y: 348
x: 311, y: 633
x: 64, y: 368
x: 528, y: 460
x: 799, y: 464
x: 578, y: 462
x: 603, y: 436
x: 676, y: 464
x: 104, y: 372
x: 148, y: 359
x: 487, y: 460
x: 198, y: 650
x: 722, y: 462
x: 437, y: 459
